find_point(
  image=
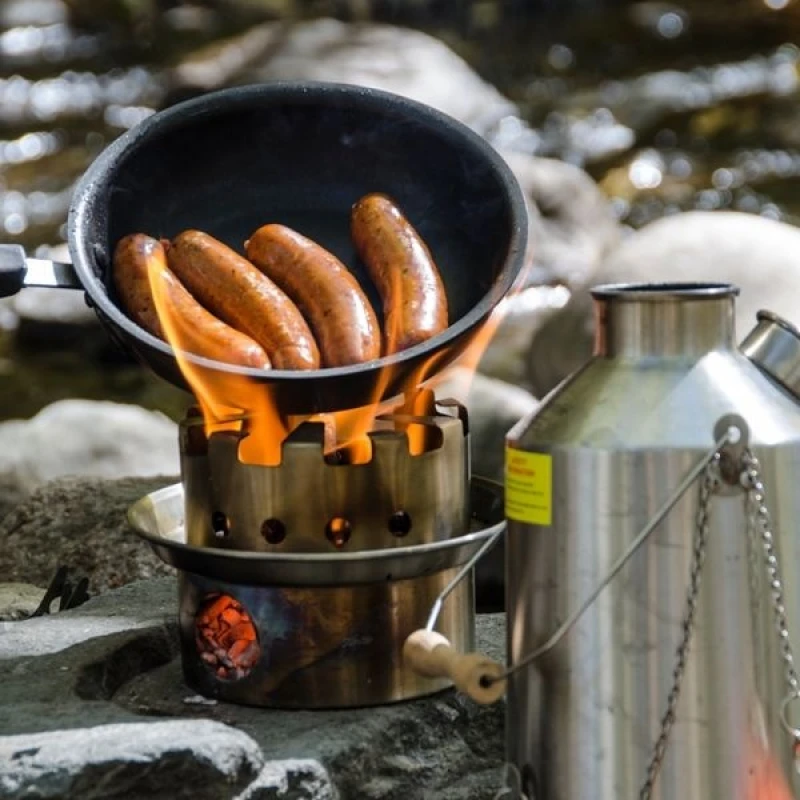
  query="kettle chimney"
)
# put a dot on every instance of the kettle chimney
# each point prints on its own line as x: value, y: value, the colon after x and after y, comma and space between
x: 664, y: 320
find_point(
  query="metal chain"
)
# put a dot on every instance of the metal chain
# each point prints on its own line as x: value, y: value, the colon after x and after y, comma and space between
x: 760, y: 520
x: 759, y: 523
x: 708, y: 486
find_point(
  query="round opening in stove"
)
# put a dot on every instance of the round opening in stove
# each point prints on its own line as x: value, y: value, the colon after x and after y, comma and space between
x: 273, y: 531
x: 226, y: 638
x: 338, y: 531
x: 400, y: 523
x: 220, y: 525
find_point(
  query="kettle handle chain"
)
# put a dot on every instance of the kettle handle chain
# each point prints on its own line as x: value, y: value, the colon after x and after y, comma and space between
x: 708, y: 486
x: 759, y: 522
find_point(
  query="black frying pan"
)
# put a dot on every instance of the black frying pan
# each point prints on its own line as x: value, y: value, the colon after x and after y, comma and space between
x: 300, y: 154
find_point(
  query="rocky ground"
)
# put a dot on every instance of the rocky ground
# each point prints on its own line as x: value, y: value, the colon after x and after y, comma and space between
x: 92, y: 705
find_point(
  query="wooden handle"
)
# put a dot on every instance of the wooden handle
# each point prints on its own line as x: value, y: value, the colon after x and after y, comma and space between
x: 429, y: 654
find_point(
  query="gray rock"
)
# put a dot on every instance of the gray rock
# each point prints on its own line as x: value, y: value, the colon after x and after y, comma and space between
x: 119, y: 665
x: 219, y: 64
x: 561, y: 345
x: 8, y: 317
x: 400, y: 60
x: 759, y: 255
x: 493, y: 406
x: 173, y: 759
x: 19, y: 13
x: 291, y: 779
x: 85, y: 438
x: 79, y: 523
x: 18, y: 600
x: 141, y: 607
x: 38, y: 312
x: 11, y: 494
x: 53, y: 306
x: 572, y: 227
x: 522, y: 315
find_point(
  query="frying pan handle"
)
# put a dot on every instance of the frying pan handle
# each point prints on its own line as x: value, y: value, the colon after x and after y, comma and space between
x: 12, y: 269
x: 18, y: 271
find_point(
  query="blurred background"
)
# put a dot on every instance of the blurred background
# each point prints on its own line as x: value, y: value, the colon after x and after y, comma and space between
x: 666, y: 107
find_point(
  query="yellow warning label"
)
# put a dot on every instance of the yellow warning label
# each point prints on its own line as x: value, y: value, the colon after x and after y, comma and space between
x: 529, y: 487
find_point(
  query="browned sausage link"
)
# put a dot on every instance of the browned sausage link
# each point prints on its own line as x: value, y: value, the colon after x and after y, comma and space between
x: 403, y: 270
x: 240, y: 295
x: 139, y: 260
x: 327, y: 294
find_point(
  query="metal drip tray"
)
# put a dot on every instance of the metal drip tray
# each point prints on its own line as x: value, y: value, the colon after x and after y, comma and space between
x: 159, y: 519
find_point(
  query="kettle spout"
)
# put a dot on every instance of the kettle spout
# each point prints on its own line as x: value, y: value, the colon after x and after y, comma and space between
x: 774, y: 347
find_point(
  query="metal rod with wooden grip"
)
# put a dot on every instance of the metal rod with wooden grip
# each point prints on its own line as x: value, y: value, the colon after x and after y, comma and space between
x: 429, y: 653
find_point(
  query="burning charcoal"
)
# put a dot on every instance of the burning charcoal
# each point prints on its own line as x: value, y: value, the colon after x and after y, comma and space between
x: 244, y: 631
x: 238, y: 648
x: 231, y: 616
x: 211, y: 613
x: 250, y: 656
x: 226, y: 638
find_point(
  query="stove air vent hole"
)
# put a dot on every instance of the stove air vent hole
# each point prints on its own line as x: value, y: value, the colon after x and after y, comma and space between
x: 400, y: 523
x: 338, y: 531
x: 226, y: 638
x: 220, y: 525
x: 273, y: 531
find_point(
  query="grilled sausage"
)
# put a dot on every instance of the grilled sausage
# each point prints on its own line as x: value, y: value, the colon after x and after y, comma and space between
x: 232, y: 288
x: 327, y: 294
x: 403, y: 270
x: 138, y: 259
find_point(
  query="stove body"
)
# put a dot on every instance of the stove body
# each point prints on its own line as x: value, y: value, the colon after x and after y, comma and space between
x: 319, y: 638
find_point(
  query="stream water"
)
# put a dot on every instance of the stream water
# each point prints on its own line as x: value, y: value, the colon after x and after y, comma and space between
x: 668, y: 107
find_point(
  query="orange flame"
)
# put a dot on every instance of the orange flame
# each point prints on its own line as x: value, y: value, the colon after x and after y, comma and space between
x: 235, y: 402
x: 761, y: 775
x: 765, y: 779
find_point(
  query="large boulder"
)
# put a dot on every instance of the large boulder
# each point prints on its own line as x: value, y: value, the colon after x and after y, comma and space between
x: 395, y: 59
x: 571, y: 225
x: 759, y: 255
x: 571, y: 230
x: 41, y: 313
x: 19, y: 600
x: 494, y: 406
x: 86, y: 438
x: 166, y: 760
x: 81, y: 524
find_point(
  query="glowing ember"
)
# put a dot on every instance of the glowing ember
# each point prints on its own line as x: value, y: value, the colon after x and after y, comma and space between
x: 226, y: 638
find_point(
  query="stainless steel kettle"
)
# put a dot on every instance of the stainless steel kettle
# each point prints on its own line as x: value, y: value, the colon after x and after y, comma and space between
x: 652, y: 563
x: 672, y: 683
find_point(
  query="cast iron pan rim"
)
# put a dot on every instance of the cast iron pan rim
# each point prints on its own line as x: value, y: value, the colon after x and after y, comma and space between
x: 353, y: 96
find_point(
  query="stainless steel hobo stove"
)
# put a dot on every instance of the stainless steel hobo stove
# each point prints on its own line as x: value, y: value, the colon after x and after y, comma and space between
x: 653, y: 554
